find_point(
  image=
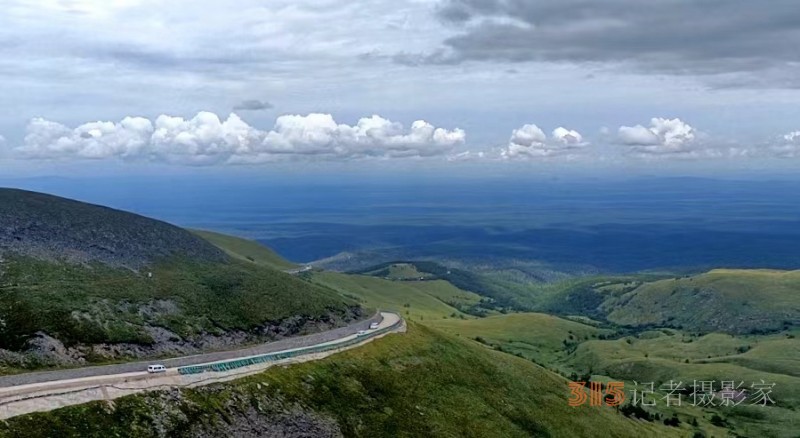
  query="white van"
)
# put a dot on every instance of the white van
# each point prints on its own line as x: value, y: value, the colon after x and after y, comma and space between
x: 374, y: 325
x: 156, y: 369
x: 361, y: 333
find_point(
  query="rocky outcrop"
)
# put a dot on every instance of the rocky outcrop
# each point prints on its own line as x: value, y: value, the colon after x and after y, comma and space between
x: 172, y: 413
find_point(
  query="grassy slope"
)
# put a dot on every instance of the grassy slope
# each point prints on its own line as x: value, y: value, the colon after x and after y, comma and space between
x: 582, y: 296
x: 665, y: 357
x: 39, y: 295
x: 733, y: 301
x: 533, y: 335
x: 246, y: 250
x: 714, y: 356
x: 657, y: 356
x: 425, y: 299
x: 508, y: 294
x: 423, y: 383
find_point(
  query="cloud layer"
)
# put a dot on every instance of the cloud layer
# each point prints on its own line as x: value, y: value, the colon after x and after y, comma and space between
x: 745, y: 43
x: 206, y: 139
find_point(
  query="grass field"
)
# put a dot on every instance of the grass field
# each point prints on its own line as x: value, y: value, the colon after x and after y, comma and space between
x: 423, y: 383
x: 417, y: 300
x: 543, y: 338
x: 246, y: 250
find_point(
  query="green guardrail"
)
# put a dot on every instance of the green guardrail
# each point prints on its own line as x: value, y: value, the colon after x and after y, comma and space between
x: 272, y: 357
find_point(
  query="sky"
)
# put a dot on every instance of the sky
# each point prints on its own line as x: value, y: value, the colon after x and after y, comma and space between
x: 245, y: 86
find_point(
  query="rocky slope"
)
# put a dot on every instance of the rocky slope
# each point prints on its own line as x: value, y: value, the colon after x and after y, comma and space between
x: 54, y: 228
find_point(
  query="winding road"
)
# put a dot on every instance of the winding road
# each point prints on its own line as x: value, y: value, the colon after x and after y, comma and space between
x: 43, y: 391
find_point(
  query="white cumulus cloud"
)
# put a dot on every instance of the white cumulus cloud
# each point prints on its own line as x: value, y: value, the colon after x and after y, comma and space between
x: 531, y: 141
x: 663, y: 136
x: 207, y: 139
x: 567, y: 136
x: 125, y: 139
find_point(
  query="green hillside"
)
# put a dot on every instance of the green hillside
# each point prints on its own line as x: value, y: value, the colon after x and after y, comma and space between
x: 83, y: 284
x: 246, y: 250
x: 671, y: 355
x: 82, y: 306
x: 418, y: 300
x: 536, y: 336
x: 423, y: 383
x: 502, y: 293
x: 731, y: 301
x: 657, y: 355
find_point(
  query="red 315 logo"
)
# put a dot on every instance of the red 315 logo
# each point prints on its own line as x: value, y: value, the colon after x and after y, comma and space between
x: 614, y: 394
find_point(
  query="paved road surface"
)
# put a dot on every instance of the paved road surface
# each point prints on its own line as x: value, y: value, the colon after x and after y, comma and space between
x: 135, y: 367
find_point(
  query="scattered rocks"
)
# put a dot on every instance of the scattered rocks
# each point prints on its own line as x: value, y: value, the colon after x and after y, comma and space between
x: 292, y: 423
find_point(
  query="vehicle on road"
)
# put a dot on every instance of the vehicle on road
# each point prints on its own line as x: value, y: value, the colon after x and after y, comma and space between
x: 362, y: 333
x: 156, y: 369
x: 374, y: 326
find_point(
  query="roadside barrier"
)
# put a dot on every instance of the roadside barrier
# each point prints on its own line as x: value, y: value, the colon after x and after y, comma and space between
x: 273, y: 357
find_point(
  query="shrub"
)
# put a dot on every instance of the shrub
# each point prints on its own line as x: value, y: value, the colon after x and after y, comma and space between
x: 718, y: 421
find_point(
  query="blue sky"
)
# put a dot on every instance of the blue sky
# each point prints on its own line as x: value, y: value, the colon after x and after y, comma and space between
x: 138, y: 86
